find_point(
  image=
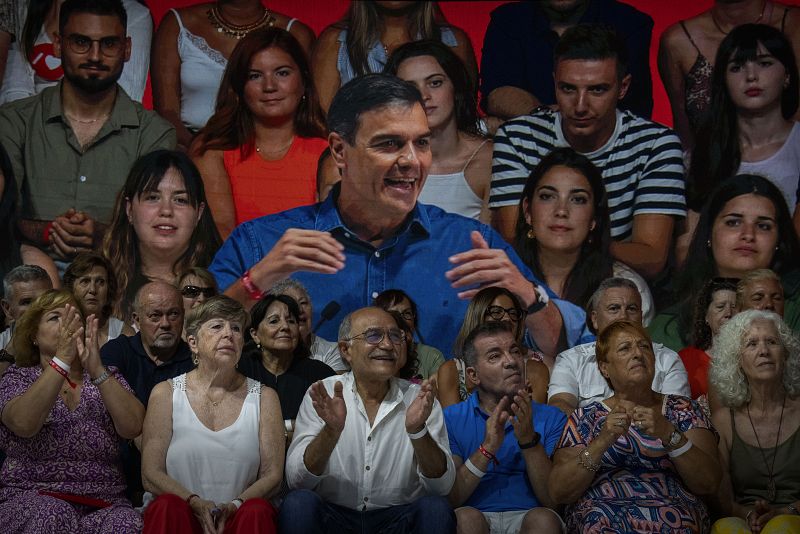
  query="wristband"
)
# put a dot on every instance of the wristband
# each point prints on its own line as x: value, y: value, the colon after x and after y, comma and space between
x: 474, y: 469
x: 680, y: 450
x: 237, y: 502
x: 190, y: 497
x: 489, y: 456
x: 61, y: 363
x: 102, y: 378
x: 46, y: 234
x: 585, y: 460
x: 418, y: 435
x: 532, y: 443
x: 252, y: 290
x: 58, y: 369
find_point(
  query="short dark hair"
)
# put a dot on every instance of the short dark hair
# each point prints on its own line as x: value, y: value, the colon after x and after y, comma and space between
x: 259, y: 311
x: 95, y: 7
x: 701, y: 335
x: 470, y: 353
x: 592, y: 41
x: 367, y: 93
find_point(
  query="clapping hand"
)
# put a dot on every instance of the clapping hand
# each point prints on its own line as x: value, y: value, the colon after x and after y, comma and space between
x: 332, y: 410
x: 70, y: 329
x: 420, y: 409
x: 523, y: 418
x: 496, y: 426
x: 88, y: 346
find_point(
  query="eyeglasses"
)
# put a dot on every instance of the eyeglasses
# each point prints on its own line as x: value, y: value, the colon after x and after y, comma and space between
x: 109, y: 46
x: 192, y: 292
x: 497, y: 313
x: 374, y: 336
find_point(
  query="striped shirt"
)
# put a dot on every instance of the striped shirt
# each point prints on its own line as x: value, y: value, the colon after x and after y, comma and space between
x: 641, y: 164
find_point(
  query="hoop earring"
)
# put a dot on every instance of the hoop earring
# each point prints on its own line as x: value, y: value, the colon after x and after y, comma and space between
x: 195, y: 360
x: 531, y: 234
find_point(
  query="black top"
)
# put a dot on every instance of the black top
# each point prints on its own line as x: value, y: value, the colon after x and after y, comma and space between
x: 128, y: 355
x: 292, y: 385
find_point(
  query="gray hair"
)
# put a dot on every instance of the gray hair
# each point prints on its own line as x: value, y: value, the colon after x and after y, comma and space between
x: 470, y: 353
x: 281, y: 286
x: 609, y: 283
x: 754, y: 276
x: 726, y: 375
x: 346, y: 327
x: 217, y: 307
x: 23, y: 273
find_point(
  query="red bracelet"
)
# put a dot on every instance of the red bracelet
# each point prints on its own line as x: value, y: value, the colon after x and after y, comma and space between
x: 63, y: 373
x: 46, y: 234
x: 250, y: 287
x: 489, y: 456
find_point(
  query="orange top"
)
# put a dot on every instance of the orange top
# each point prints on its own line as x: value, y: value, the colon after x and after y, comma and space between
x: 697, y: 363
x: 262, y: 187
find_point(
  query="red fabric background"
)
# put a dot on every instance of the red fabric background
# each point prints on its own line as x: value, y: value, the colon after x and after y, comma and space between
x: 473, y: 18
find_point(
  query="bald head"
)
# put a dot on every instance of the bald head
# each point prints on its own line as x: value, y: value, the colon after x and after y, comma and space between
x: 158, y: 312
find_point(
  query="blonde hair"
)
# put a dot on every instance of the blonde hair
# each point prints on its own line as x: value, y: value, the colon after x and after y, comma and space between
x: 26, y: 353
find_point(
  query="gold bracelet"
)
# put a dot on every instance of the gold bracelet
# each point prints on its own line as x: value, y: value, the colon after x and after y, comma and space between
x: 585, y: 459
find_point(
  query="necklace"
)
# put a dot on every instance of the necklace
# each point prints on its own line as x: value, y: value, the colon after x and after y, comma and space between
x: 237, y: 31
x: 771, y: 491
x: 723, y: 32
x: 277, y: 150
x: 85, y: 121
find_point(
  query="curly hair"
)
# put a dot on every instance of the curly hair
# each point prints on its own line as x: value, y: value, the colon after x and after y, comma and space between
x: 726, y: 375
x: 701, y: 336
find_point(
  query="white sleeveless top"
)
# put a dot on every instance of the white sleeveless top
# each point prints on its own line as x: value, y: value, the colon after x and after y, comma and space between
x: 219, y: 465
x: 452, y: 192
x: 782, y: 168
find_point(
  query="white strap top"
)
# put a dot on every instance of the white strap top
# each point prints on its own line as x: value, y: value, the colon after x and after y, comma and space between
x: 215, y: 465
x: 452, y: 192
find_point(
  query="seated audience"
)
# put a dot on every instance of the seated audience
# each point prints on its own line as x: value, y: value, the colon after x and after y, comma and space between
x: 750, y: 129
x: 496, y: 426
x: 191, y: 50
x: 576, y: 381
x: 63, y: 416
x: 34, y: 62
x: 161, y: 224
x: 687, y: 49
x: 744, y: 225
x: 491, y: 304
x: 756, y: 373
x: 406, y: 442
x: 429, y: 359
x: 321, y: 349
x: 10, y: 254
x: 278, y: 357
x: 461, y: 170
x: 8, y: 31
x: 72, y: 144
x: 258, y: 153
x: 517, y: 59
x: 196, y: 285
x: 563, y: 229
x: 213, y: 439
x: 362, y: 41
x: 637, y: 457
x: 21, y: 286
x: 760, y: 289
x: 372, y: 222
x: 640, y: 161
x: 90, y: 278
x: 714, y: 306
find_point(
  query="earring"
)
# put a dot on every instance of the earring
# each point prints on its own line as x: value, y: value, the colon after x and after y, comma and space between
x: 708, y: 243
x: 195, y: 360
x: 589, y: 239
x: 258, y: 344
x: 303, y: 98
x: 531, y: 234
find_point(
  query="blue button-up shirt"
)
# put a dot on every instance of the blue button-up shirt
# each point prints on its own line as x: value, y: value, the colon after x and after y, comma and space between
x: 506, y: 485
x: 414, y: 260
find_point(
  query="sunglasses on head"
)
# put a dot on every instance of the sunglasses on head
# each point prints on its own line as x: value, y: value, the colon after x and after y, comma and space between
x: 192, y: 292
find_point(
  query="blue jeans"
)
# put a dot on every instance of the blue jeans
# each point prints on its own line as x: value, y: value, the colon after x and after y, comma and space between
x: 304, y: 512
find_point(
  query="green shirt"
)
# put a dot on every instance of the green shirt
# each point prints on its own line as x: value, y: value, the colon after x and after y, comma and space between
x: 429, y: 360
x: 55, y: 174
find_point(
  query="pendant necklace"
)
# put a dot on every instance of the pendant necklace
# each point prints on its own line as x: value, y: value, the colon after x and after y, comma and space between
x: 771, y: 490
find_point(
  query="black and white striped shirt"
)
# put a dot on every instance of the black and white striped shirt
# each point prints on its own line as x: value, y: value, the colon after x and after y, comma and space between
x: 641, y: 164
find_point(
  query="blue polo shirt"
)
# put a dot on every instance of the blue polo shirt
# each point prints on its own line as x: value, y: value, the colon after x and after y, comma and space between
x: 414, y: 260
x: 505, y: 486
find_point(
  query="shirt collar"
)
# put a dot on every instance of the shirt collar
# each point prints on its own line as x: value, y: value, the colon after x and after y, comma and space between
x: 181, y: 353
x: 122, y: 114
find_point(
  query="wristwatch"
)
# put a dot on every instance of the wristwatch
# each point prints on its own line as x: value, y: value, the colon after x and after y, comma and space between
x: 542, y: 298
x: 532, y: 443
x: 674, y: 439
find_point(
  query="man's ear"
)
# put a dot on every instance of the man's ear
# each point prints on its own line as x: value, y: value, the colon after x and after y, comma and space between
x: 127, y: 49
x: 344, y: 351
x: 135, y: 317
x: 57, y: 43
x: 624, y: 85
x: 6, y: 308
x: 472, y: 375
x: 593, y: 318
x: 337, y: 145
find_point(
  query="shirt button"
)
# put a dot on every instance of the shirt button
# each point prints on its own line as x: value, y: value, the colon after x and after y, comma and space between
x: 367, y: 468
x: 374, y: 294
x: 366, y: 499
x: 369, y: 438
x: 347, y: 234
x: 83, y: 178
x: 377, y: 253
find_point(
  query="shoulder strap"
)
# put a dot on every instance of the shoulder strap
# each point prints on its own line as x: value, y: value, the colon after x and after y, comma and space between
x: 253, y: 387
x: 689, y: 36
x: 733, y: 420
x: 178, y: 18
x: 475, y: 153
x: 289, y: 24
x: 783, y: 19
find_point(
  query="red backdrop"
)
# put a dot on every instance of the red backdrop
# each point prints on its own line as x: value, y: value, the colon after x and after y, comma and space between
x: 473, y: 18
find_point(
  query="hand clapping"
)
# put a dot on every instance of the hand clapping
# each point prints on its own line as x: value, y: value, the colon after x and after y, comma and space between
x: 332, y: 410
x: 420, y: 409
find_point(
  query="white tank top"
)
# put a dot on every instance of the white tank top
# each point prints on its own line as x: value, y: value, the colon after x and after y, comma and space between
x: 782, y: 168
x: 219, y: 465
x: 452, y: 192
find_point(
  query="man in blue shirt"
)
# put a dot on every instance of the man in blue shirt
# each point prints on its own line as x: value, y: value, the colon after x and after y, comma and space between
x: 501, y: 442
x: 370, y: 234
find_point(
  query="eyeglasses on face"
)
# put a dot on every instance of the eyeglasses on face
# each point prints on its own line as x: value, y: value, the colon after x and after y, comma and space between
x: 109, y: 46
x: 498, y: 312
x: 374, y: 336
x: 192, y: 292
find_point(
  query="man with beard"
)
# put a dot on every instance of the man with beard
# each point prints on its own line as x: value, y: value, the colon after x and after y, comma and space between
x: 73, y: 144
x: 517, y: 62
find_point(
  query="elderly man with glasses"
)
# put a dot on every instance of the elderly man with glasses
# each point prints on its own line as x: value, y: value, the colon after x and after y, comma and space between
x: 370, y: 451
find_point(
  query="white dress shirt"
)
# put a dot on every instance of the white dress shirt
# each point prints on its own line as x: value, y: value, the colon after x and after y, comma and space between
x: 370, y: 467
x: 576, y: 372
x: 328, y: 353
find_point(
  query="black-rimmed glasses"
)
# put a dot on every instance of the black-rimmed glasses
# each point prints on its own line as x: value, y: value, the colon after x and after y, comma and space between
x: 498, y: 312
x: 109, y: 46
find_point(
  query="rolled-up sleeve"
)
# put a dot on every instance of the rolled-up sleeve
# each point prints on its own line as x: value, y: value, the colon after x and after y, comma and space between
x: 438, y: 431
x: 307, y: 425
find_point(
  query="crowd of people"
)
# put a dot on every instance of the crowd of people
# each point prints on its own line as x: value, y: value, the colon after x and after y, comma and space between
x: 355, y: 283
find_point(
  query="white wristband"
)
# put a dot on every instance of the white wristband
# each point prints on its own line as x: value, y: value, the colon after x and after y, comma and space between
x: 60, y: 363
x: 237, y: 503
x: 419, y: 434
x: 681, y: 450
x: 474, y: 469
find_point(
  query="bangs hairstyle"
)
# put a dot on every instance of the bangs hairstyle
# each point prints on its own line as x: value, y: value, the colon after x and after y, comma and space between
x: 202, y: 274
x: 259, y: 312
x: 217, y: 307
x: 701, y: 336
x: 393, y: 297
x: 26, y: 353
x: 595, y: 263
x: 592, y: 42
x: 475, y: 316
x: 726, y: 375
x: 465, y: 100
x: 411, y: 367
x: 121, y: 245
x: 717, y: 154
x: 232, y: 124
x: 83, y: 265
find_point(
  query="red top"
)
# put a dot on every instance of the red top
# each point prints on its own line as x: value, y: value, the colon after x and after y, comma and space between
x: 697, y: 363
x: 262, y: 187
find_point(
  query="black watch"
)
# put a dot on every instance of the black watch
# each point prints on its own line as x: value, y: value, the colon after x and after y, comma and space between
x: 532, y: 443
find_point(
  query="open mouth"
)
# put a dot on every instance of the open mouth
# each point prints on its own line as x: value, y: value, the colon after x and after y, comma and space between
x: 165, y: 229
x: 402, y: 184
